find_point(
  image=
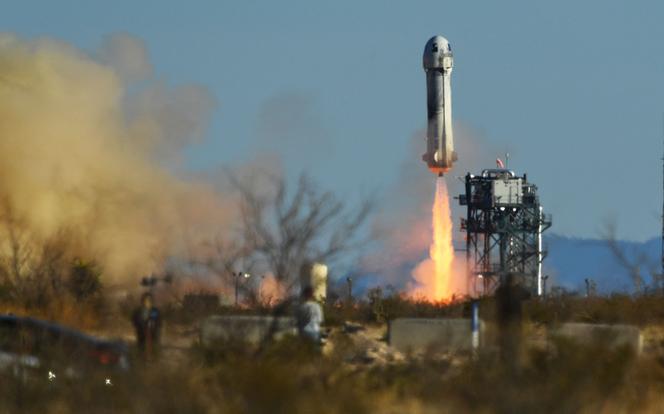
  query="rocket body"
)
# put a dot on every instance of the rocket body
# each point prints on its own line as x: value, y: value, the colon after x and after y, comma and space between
x: 438, y: 62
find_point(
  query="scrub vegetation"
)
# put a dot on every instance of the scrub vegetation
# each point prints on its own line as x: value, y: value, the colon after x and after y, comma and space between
x: 291, y: 376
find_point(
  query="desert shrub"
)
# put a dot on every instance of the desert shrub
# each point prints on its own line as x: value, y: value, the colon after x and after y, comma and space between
x: 291, y: 376
x: 84, y: 280
x: 616, y: 308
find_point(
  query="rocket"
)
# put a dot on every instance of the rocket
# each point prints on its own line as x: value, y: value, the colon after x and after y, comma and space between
x: 437, y: 61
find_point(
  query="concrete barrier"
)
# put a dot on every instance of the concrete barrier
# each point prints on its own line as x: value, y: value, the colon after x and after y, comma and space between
x: 249, y: 329
x: 611, y: 335
x: 418, y: 334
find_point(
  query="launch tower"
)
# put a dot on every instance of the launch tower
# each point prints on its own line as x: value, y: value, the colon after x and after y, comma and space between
x: 504, y: 226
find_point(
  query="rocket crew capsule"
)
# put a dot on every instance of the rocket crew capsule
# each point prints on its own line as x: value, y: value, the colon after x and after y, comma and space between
x: 438, y: 61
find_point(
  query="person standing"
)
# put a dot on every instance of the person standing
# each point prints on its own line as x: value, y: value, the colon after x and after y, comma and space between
x: 309, y: 316
x: 510, y: 297
x: 147, y: 324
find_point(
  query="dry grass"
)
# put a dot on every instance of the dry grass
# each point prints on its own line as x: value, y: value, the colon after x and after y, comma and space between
x: 291, y: 377
x: 65, y: 311
x: 618, y: 308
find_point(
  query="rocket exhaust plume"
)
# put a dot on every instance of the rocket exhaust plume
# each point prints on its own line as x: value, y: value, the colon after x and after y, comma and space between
x: 442, y: 251
x: 434, y: 276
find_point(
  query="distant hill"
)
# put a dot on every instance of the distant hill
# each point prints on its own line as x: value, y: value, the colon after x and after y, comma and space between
x: 571, y: 260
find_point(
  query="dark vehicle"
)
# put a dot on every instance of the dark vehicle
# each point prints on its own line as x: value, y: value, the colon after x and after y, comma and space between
x: 35, y: 348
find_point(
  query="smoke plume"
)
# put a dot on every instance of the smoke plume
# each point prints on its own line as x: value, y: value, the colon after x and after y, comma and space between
x: 88, y: 145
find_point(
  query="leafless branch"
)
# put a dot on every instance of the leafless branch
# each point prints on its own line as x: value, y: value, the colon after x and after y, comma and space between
x: 287, y: 227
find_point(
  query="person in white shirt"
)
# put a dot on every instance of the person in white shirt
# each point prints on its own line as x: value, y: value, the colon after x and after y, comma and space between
x: 309, y: 316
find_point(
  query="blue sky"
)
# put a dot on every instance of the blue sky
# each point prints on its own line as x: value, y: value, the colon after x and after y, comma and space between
x: 573, y: 90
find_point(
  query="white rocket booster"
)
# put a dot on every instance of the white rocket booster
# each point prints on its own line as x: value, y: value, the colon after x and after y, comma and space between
x: 438, y: 62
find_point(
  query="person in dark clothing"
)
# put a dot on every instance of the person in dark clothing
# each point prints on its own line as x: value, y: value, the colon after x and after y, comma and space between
x: 147, y: 324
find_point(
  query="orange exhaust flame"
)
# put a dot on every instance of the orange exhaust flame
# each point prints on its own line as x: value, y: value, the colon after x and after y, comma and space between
x: 434, y: 276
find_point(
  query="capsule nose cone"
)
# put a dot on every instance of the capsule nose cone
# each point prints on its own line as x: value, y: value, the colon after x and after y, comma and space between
x: 439, y: 41
x: 434, y: 50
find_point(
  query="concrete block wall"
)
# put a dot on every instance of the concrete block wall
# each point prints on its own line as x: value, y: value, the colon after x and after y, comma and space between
x: 417, y: 334
x: 249, y: 329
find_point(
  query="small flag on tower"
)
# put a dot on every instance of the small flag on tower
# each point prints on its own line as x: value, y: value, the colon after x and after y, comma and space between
x: 499, y: 163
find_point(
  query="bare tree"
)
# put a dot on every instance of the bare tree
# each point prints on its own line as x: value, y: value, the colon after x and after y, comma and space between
x: 285, y: 228
x: 226, y: 256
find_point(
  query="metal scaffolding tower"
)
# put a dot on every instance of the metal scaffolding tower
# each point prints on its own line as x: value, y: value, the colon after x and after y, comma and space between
x: 504, y: 226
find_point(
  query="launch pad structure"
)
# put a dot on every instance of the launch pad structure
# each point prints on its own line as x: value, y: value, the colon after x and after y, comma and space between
x: 504, y: 226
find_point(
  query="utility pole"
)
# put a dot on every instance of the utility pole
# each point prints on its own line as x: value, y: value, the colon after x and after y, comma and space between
x: 544, y: 279
x: 588, y: 287
x: 237, y: 276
